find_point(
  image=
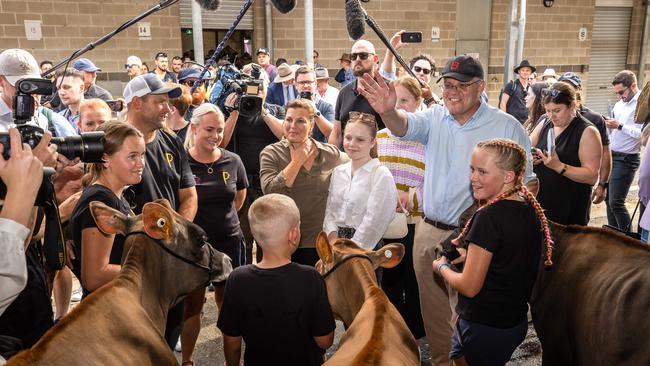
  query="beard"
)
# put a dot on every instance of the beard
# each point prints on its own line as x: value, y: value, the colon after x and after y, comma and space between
x: 360, y: 72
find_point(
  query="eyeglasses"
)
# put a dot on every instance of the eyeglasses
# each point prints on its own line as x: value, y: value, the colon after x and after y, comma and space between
x: 622, y: 92
x: 462, y: 86
x: 550, y: 92
x: 422, y: 70
x: 360, y: 55
x: 305, y: 82
x: 128, y: 66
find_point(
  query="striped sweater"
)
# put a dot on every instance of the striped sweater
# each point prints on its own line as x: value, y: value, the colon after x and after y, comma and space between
x: 405, y: 160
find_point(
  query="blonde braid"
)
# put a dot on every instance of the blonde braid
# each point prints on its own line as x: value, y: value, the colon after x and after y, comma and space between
x: 511, y: 156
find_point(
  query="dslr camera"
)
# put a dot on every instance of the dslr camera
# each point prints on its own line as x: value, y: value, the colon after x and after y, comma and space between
x: 248, y: 102
x: 88, y: 146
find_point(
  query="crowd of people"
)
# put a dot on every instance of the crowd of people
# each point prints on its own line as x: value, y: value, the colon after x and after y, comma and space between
x: 315, y: 158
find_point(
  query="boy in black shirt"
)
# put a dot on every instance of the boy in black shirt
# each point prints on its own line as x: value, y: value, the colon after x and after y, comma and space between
x: 280, y: 308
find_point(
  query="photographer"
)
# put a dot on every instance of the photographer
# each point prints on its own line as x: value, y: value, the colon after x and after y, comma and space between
x: 246, y: 137
x: 306, y: 85
x: 22, y: 175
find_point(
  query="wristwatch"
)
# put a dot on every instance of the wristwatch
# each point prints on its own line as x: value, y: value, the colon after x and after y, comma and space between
x: 620, y: 127
x: 318, y: 113
x: 603, y: 184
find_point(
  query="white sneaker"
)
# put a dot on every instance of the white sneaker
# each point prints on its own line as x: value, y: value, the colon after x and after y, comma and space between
x: 76, y: 295
x: 178, y: 345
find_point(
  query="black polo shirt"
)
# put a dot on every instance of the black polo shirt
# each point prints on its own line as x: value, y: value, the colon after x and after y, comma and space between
x: 516, y: 105
x: 350, y: 100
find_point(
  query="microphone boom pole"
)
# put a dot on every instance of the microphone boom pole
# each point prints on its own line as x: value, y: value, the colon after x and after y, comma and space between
x: 375, y: 27
x: 227, y: 36
x: 90, y: 46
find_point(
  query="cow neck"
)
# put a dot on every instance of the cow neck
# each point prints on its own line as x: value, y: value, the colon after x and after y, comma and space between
x: 141, y: 272
x: 357, y: 292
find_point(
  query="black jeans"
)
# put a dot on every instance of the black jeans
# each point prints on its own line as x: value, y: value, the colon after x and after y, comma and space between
x: 624, y: 166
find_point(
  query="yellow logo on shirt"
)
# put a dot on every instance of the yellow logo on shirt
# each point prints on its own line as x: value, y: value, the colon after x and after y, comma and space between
x: 225, y: 176
x: 170, y: 159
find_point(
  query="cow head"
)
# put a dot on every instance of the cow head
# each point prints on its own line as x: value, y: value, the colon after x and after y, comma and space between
x: 176, y: 246
x: 349, y: 272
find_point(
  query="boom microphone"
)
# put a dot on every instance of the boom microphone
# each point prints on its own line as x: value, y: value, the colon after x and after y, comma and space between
x: 209, y: 5
x: 355, y: 19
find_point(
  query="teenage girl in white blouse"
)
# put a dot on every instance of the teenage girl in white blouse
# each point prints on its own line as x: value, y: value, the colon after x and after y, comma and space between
x: 362, y: 194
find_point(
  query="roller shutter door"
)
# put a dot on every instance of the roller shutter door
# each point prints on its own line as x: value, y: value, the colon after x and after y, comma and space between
x: 220, y: 19
x: 608, y: 55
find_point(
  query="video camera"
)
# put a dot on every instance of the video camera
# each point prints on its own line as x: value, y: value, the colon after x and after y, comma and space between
x: 247, y: 87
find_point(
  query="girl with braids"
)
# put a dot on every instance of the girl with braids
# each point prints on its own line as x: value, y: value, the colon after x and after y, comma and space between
x: 503, y: 255
x: 98, y: 255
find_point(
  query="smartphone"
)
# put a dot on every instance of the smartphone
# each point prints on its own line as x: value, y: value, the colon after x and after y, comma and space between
x: 115, y: 105
x: 305, y: 95
x: 412, y: 37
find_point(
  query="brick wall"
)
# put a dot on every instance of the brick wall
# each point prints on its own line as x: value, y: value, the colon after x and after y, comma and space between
x: 71, y: 24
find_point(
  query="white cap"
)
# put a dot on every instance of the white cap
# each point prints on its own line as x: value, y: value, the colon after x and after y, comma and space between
x: 133, y: 60
x: 146, y: 84
x: 16, y: 64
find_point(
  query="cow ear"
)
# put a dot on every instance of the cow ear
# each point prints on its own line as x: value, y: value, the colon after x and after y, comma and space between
x: 388, y: 256
x: 324, y: 248
x: 108, y: 220
x: 158, y: 221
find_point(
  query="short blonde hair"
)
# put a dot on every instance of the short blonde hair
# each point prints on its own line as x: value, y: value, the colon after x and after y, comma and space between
x: 271, y: 217
x: 95, y: 104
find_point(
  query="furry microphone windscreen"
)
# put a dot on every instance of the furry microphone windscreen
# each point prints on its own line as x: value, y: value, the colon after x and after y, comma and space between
x: 209, y: 5
x: 355, y: 19
x: 284, y: 6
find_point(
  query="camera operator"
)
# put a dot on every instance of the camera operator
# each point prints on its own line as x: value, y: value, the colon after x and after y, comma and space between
x: 306, y: 85
x: 247, y: 137
x: 22, y: 175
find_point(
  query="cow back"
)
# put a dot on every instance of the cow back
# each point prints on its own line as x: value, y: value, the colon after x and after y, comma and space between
x: 591, y: 307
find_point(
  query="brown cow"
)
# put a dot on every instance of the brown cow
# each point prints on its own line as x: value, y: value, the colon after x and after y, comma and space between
x: 593, y: 306
x: 375, y: 332
x: 123, y: 322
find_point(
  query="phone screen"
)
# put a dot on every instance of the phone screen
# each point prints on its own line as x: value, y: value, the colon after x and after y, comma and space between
x: 411, y: 37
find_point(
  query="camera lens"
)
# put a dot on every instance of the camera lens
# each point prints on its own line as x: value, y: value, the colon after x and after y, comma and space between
x: 88, y: 146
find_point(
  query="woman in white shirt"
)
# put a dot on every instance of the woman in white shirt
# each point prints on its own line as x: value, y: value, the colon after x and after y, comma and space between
x: 362, y: 194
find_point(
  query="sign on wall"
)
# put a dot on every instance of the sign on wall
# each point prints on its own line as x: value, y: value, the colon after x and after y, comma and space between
x: 33, y: 30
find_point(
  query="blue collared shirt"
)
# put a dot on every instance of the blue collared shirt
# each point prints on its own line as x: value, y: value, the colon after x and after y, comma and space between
x: 449, y: 146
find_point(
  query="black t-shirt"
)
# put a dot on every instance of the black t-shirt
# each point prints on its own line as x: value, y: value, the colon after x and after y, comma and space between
x: 166, y: 171
x: 510, y: 230
x: 182, y: 132
x: 349, y: 100
x: 216, y: 213
x: 81, y: 219
x: 598, y: 121
x: 278, y: 312
x: 516, y: 105
x: 251, y: 136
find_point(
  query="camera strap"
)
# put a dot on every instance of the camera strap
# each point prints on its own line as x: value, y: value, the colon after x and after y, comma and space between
x: 53, y: 239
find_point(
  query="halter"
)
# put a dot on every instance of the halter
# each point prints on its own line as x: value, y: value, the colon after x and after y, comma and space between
x: 178, y: 256
x: 345, y: 259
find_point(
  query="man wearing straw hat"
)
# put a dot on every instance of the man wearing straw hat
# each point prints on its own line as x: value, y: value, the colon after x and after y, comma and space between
x: 282, y: 90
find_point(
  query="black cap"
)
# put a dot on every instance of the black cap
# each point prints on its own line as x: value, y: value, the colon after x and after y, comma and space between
x: 462, y: 68
x: 572, y: 78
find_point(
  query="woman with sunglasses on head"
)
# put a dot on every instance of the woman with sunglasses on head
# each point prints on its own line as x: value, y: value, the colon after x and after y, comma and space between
x: 98, y: 255
x: 221, y: 187
x: 566, y: 155
x: 362, y: 194
x: 405, y: 160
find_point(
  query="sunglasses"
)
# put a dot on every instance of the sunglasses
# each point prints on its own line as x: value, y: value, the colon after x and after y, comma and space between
x: 190, y: 82
x: 422, y: 70
x: 360, y: 55
x: 128, y: 66
x: 550, y: 92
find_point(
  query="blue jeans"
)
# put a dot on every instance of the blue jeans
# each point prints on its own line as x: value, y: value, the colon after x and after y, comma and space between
x: 644, y: 235
x: 624, y: 167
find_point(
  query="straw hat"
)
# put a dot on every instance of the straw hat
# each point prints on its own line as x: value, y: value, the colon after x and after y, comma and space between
x: 285, y: 72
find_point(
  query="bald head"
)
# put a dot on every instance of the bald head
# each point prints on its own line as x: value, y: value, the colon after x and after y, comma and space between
x: 363, y: 46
